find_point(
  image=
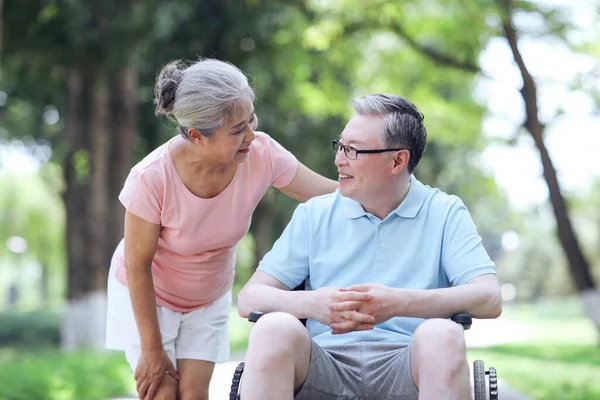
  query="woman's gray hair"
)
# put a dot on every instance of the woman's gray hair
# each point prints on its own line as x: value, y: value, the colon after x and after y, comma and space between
x: 403, y: 123
x: 204, y: 95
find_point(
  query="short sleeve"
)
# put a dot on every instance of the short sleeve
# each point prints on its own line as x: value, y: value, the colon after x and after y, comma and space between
x: 283, y: 164
x: 140, y: 198
x: 288, y: 260
x: 463, y: 254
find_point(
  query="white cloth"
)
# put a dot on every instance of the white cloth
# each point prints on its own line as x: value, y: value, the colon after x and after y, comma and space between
x: 202, y: 334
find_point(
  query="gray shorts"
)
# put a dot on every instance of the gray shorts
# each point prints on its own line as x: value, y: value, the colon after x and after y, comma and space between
x: 361, y: 370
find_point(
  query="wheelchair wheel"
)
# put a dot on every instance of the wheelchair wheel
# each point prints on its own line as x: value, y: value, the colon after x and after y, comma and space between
x: 479, y: 380
x: 235, y: 383
x: 479, y: 374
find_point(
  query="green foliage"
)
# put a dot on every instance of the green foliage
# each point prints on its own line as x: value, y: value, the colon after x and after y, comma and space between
x: 29, y: 329
x: 52, y: 375
x: 239, y: 331
x: 31, y: 207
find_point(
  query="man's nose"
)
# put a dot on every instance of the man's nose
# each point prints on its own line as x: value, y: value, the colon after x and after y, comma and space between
x: 340, y: 158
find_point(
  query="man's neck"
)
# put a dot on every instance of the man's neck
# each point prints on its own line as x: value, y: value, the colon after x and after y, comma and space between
x: 384, y: 204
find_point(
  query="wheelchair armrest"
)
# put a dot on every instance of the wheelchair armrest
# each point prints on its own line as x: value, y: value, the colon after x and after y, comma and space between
x: 255, y: 315
x: 464, y: 319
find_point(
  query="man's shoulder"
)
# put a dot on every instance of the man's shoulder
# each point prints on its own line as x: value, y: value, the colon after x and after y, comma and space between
x: 440, y: 203
x: 323, y: 203
x: 321, y: 208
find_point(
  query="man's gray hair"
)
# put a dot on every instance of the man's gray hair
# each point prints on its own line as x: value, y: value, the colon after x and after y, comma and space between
x: 205, y: 95
x: 403, y: 123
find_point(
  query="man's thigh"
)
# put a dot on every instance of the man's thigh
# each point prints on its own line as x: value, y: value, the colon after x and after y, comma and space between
x: 359, y: 371
x: 333, y: 373
x: 388, y: 371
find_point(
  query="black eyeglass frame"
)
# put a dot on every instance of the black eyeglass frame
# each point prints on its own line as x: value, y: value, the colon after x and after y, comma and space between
x: 337, y: 145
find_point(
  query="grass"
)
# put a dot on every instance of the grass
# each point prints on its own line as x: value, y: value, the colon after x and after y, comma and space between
x: 239, y: 329
x: 49, y: 374
x: 559, y: 360
x: 546, y: 372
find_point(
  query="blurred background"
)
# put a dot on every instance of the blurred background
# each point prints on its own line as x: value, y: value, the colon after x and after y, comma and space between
x: 511, y: 96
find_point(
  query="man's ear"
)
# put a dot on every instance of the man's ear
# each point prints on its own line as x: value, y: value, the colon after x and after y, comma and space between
x: 401, y: 159
x: 196, y: 137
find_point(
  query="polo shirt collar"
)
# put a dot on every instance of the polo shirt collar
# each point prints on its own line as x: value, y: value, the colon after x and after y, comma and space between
x: 409, y: 208
x: 414, y: 200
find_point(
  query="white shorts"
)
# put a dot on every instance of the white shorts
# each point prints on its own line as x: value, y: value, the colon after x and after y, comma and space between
x: 202, y: 334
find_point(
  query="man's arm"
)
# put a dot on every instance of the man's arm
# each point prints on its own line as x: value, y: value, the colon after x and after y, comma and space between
x: 479, y: 297
x: 266, y: 294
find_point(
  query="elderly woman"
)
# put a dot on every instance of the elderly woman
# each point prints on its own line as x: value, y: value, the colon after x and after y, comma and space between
x: 188, y: 204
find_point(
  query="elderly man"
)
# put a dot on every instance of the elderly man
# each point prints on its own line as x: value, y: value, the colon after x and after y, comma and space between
x: 386, y: 261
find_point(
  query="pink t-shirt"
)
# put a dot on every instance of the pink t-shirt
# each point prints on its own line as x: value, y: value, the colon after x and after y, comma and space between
x: 195, y: 258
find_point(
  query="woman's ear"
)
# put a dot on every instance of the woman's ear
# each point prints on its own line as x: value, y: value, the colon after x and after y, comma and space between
x: 195, y: 136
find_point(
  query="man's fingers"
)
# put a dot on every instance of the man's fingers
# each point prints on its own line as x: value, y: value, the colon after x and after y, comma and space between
x: 339, y: 328
x: 344, y: 326
x: 345, y: 306
x: 358, y: 317
x: 356, y: 288
x: 351, y: 295
x: 364, y: 327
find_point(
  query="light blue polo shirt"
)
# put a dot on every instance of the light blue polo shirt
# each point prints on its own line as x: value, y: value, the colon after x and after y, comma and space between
x: 428, y: 242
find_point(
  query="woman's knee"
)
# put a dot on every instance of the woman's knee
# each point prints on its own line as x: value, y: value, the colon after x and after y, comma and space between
x: 194, y: 378
x: 168, y: 389
x: 193, y: 394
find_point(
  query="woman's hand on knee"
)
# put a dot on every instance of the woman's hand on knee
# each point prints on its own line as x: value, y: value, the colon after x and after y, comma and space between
x: 150, y: 371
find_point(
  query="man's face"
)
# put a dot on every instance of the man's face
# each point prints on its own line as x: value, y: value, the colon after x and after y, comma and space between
x: 364, y: 178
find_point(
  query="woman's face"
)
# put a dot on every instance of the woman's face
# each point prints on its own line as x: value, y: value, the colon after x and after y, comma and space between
x: 232, y: 141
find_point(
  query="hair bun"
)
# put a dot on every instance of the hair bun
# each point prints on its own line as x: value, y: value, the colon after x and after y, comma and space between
x: 166, y: 86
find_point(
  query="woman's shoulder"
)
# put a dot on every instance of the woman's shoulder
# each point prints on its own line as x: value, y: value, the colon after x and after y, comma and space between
x: 265, y: 143
x: 154, y: 161
x: 262, y: 138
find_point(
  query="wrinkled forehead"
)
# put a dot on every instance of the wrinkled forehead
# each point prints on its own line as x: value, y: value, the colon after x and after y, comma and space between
x: 240, y: 112
x: 363, y: 129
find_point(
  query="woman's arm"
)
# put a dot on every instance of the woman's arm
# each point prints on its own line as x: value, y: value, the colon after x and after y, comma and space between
x: 307, y: 184
x: 141, y: 239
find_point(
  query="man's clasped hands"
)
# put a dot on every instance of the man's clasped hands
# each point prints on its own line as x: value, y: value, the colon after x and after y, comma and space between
x: 357, y: 307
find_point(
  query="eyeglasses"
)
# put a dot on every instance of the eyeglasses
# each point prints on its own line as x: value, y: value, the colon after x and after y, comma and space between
x: 352, y: 153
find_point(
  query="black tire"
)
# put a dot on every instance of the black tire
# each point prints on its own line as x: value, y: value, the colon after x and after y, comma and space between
x: 235, y: 383
x: 479, y: 380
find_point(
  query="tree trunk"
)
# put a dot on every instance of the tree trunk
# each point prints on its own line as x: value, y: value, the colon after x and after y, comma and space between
x: 263, y: 220
x: 578, y: 264
x: 124, y: 135
x: 77, y: 283
x: 79, y: 328
x: 98, y: 199
x: 44, y: 287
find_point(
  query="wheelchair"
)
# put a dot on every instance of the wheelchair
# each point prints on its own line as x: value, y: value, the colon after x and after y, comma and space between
x: 485, y: 382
